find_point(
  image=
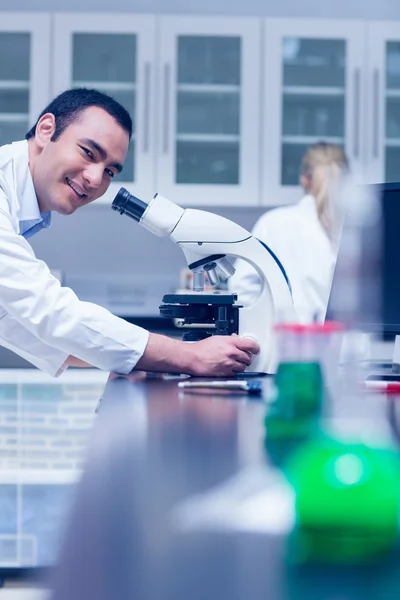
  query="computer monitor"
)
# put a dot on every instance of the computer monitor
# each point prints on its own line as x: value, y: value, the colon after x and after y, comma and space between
x: 390, y: 269
x: 387, y: 296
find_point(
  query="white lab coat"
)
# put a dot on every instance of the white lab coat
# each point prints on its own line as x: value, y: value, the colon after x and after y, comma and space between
x: 296, y: 236
x: 39, y: 319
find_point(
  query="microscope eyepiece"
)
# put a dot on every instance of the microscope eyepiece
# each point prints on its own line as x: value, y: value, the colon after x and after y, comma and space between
x: 126, y: 203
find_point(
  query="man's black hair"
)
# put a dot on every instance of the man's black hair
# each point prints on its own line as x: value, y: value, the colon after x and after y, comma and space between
x: 67, y: 107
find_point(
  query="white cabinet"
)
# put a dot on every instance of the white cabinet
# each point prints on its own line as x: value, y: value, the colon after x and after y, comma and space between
x: 208, y: 106
x: 223, y: 107
x: 24, y: 72
x: 384, y: 101
x: 114, y: 54
x: 314, y: 82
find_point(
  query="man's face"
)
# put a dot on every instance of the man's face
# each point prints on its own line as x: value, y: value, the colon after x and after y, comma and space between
x: 79, y: 166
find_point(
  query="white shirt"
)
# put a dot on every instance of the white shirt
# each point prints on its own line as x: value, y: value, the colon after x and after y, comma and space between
x: 296, y: 236
x: 39, y: 319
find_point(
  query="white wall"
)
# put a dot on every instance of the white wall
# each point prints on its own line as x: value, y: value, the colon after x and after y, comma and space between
x: 357, y: 9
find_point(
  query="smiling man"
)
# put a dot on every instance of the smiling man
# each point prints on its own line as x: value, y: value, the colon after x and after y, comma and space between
x: 68, y: 159
x: 73, y: 162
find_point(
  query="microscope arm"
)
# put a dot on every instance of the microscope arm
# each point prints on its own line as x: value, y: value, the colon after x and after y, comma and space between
x: 201, y: 234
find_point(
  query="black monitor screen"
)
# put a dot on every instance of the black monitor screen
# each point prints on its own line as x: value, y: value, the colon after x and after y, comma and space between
x: 388, y: 294
x: 390, y: 270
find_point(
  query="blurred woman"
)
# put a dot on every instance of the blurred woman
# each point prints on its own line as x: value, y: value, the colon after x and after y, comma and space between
x: 305, y: 236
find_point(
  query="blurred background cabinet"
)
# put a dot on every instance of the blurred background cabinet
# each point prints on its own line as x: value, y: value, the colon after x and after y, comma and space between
x: 314, y: 77
x: 209, y: 99
x: 384, y: 101
x: 222, y: 108
x: 24, y: 72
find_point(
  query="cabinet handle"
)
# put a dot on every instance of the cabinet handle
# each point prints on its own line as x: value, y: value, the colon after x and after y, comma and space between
x: 146, y: 108
x: 167, y: 78
x: 356, y: 141
x: 375, y: 108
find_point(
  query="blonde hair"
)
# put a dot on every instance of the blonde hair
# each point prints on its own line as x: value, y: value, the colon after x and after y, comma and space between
x: 324, y: 165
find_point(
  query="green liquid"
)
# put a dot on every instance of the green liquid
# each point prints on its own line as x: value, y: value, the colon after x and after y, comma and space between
x: 297, y: 406
x: 347, y: 502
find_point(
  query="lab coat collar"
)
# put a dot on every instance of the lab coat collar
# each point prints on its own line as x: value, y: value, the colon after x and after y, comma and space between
x: 308, y: 202
x: 308, y: 206
x: 28, y: 207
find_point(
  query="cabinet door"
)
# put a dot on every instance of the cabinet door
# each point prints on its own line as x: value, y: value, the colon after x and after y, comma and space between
x: 313, y: 88
x: 114, y: 54
x: 24, y: 72
x: 384, y: 101
x: 208, y: 143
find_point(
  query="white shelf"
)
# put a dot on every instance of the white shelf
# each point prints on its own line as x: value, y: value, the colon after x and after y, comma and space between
x: 204, y: 137
x: 109, y: 86
x: 208, y: 88
x: 311, y: 139
x: 303, y: 62
x: 297, y: 90
x: 13, y: 117
x: 14, y: 85
x: 392, y: 142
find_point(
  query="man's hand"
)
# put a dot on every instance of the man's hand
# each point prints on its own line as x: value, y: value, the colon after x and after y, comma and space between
x: 216, y: 356
x: 222, y: 355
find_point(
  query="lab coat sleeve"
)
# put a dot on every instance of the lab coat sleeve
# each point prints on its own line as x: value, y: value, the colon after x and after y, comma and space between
x: 37, y: 314
x: 17, y: 338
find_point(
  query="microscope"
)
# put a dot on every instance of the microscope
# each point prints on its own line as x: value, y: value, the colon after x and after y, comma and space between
x: 206, y: 240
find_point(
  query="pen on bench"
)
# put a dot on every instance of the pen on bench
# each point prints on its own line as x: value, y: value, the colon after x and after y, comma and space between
x: 386, y: 387
x: 251, y: 387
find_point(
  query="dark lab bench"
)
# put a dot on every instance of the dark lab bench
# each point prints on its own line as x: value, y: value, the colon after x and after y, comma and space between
x: 155, y: 451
